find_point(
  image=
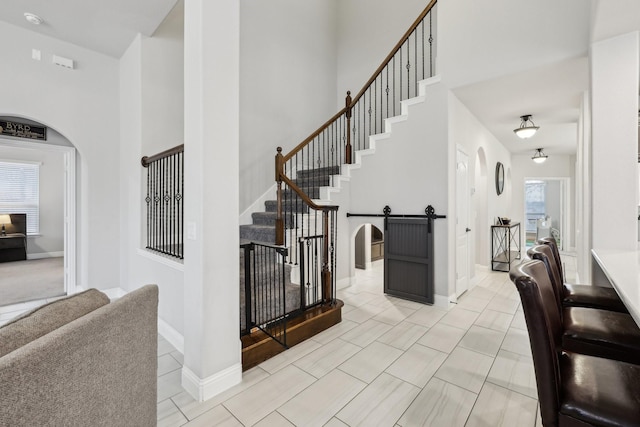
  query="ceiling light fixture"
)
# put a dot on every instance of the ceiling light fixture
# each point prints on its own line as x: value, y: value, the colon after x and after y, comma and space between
x: 33, y: 18
x: 527, y: 128
x: 539, y: 156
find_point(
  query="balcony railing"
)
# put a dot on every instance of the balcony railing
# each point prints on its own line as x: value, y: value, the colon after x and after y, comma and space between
x: 165, y: 202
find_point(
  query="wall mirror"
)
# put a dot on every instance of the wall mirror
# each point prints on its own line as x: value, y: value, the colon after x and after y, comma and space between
x: 499, y: 178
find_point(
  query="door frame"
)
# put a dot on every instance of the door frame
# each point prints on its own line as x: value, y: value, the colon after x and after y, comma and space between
x: 69, y: 203
x: 565, y: 207
x: 467, y: 198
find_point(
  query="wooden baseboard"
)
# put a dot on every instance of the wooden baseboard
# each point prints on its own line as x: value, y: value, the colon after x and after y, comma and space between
x: 258, y: 347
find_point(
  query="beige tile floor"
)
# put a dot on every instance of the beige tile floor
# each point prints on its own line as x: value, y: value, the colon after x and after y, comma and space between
x: 390, y: 362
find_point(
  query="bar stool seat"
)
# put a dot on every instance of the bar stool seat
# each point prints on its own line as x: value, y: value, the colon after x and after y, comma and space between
x: 598, y: 391
x: 584, y: 295
x: 591, y: 331
x: 601, y: 333
x: 573, y: 389
x: 592, y: 296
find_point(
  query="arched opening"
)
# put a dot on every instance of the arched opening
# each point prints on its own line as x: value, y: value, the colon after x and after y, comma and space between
x: 369, y: 246
x: 480, y: 254
x: 50, y: 264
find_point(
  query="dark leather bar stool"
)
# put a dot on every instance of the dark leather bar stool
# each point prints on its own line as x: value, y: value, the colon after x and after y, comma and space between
x: 592, y: 331
x: 573, y: 389
x: 584, y: 295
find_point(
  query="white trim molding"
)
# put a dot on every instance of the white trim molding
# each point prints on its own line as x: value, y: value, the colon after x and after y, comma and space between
x: 174, y: 337
x: 444, y: 301
x: 42, y: 255
x: 206, y: 388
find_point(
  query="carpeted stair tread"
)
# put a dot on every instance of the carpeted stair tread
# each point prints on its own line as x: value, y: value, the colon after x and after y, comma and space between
x: 258, y: 233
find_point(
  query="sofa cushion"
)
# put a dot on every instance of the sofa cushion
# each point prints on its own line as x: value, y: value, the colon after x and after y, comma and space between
x: 46, y: 318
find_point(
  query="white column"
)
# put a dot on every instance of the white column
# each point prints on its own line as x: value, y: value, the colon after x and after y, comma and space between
x: 615, y: 71
x: 367, y: 246
x: 212, y: 350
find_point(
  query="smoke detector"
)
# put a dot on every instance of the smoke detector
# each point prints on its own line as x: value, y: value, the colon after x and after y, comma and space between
x: 33, y: 18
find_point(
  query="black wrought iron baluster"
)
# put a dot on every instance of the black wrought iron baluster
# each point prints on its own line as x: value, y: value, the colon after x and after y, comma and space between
x: 430, y: 45
x: 181, y: 203
x: 422, y: 28
x: 415, y: 62
x: 408, y: 67
x: 375, y: 103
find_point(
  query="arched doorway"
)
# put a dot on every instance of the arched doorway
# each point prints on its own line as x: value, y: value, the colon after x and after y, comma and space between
x: 369, y: 246
x: 480, y: 254
x: 56, y: 237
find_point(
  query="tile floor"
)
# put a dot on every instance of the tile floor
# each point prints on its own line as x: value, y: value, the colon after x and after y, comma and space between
x: 390, y: 362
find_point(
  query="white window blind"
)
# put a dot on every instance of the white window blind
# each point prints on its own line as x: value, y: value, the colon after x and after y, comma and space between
x: 20, y: 191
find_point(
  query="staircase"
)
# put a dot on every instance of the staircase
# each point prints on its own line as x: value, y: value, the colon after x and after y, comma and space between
x: 263, y: 229
x: 307, y: 227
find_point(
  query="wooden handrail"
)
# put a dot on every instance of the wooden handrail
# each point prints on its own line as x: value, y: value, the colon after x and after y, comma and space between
x: 146, y: 160
x: 314, y: 134
x: 352, y: 101
x: 395, y: 50
x: 306, y: 198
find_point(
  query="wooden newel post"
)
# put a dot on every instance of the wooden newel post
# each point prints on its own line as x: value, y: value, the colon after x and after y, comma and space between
x: 279, y: 217
x: 347, y: 148
x: 327, y: 295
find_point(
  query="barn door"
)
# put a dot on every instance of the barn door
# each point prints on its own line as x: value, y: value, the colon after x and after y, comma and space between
x: 408, y: 259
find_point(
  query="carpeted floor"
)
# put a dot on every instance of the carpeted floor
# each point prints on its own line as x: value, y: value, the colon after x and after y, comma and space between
x: 31, y: 280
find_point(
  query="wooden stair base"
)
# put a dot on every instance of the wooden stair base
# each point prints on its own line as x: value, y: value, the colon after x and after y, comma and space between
x: 258, y: 346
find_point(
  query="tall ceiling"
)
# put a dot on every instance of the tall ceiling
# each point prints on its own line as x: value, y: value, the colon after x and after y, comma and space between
x: 526, y: 57
x: 108, y: 27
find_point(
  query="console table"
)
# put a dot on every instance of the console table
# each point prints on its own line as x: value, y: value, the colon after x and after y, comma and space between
x: 505, y: 246
x: 13, y: 247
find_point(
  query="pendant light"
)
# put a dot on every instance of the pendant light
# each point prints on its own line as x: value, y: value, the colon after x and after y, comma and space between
x: 527, y: 128
x: 539, y: 156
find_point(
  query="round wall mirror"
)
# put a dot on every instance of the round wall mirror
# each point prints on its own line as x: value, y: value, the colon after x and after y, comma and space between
x: 499, y: 178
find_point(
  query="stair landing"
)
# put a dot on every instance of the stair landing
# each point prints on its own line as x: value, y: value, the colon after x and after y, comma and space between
x: 258, y: 347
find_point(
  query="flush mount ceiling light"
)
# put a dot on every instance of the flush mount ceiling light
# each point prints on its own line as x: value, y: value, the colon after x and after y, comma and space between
x: 539, y: 156
x: 527, y: 128
x: 33, y: 18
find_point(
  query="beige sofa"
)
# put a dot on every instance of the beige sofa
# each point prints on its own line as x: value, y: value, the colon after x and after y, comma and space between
x: 82, y: 361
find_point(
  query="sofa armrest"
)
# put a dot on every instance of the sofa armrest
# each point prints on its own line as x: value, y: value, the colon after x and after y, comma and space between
x: 98, y: 370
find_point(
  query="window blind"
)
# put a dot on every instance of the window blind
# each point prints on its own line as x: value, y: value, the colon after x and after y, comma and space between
x: 20, y: 191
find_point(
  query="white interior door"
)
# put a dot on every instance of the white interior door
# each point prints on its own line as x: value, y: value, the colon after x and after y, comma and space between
x: 462, y: 222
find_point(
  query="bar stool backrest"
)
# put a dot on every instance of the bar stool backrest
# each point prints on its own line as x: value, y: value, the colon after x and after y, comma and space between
x: 553, y: 244
x: 544, y: 253
x: 545, y: 330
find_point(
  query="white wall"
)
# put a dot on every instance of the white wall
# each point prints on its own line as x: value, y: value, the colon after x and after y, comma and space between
x: 152, y: 120
x: 473, y: 47
x: 367, y: 31
x: 465, y: 130
x: 414, y: 182
x: 85, y: 112
x: 287, y: 83
x: 615, y: 70
x: 51, y: 237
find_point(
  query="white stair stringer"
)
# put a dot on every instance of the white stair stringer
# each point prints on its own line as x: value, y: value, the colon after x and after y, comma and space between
x: 337, y: 181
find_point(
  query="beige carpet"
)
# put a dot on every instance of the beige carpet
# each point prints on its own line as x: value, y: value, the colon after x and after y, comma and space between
x: 31, y: 280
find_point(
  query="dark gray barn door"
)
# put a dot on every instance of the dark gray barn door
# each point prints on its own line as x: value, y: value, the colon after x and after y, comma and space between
x: 408, y: 259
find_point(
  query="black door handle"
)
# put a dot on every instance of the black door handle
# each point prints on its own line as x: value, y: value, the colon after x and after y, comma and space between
x: 468, y: 229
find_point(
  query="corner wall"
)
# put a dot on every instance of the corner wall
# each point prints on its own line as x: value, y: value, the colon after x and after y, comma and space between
x: 466, y: 131
x: 81, y: 105
x: 152, y: 120
x: 287, y: 83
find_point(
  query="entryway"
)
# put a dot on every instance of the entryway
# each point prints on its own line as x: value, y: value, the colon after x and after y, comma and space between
x: 546, y: 212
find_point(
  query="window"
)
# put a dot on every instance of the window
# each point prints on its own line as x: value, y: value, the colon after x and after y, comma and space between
x: 20, y: 191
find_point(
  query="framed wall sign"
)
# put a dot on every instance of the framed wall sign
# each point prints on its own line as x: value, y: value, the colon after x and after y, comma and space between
x: 22, y: 130
x: 499, y: 178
